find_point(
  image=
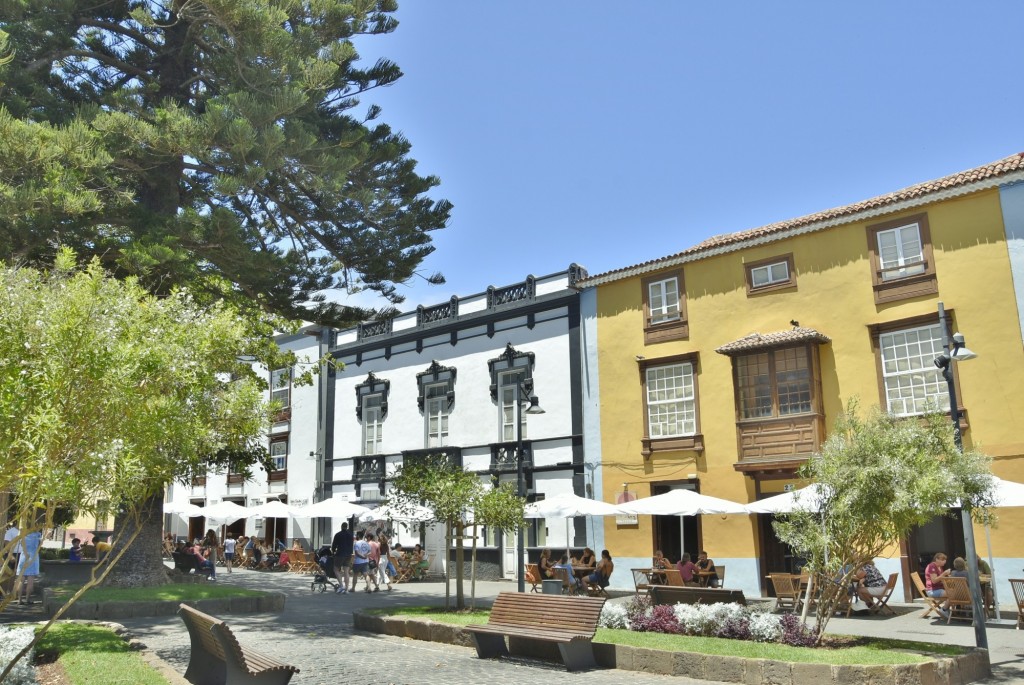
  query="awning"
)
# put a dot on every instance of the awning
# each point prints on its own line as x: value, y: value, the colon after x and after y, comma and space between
x: 760, y: 341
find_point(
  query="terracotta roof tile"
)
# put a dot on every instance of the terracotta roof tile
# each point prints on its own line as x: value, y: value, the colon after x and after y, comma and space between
x: 758, y: 341
x: 995, y: 169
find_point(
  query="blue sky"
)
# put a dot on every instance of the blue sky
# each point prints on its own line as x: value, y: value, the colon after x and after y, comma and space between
x: 609, y: 134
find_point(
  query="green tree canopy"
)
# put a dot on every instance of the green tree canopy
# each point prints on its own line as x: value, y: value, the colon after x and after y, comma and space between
x: 881, y: 476
x: 213, y: 143
x: 108, y: 394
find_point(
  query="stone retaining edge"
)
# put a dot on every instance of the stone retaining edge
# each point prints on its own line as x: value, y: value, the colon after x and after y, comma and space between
x: 114, y: 611
x: 958, y: 670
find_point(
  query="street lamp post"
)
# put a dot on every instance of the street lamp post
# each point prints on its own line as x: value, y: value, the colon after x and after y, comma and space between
x: 956, y: 351
x: 534, y: 408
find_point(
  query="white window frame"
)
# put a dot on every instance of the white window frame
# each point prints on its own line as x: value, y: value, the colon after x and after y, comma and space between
x: 507, y: 406
x: 912, y: 383
x: 281, y: 459
x: 903, y: 265
x: 668, y: 309
x: 668, y: 386
x: 373, y: 424
x: 769, y: 271
x: 281, y: 391
x: 435, y: 413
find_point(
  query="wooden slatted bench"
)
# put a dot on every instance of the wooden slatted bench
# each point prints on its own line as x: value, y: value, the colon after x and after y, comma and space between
x: 570, y: 622
x: 666, y: 594
x: 218, y: 659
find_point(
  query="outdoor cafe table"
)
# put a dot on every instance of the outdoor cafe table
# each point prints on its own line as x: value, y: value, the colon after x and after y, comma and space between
x: 582, y: 572
x: 703, y: 576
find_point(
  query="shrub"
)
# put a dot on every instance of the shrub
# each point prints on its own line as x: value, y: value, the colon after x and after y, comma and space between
x: 765, y: 627
x: 660, y: 619
x: 735, y: 629
x: 12, y: 641
x: 706, y: 619
x: 614, y: 616
x: 795, y: 633
x: 638, y: 606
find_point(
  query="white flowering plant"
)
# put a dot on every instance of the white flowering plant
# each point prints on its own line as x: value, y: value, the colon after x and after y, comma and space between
x: 12, y: 641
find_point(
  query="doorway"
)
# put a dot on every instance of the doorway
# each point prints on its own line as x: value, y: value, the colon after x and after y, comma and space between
x: 941, y: 534
x: 674, y: 535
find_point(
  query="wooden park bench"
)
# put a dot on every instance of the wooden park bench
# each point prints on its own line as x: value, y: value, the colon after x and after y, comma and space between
x: 671, y: 595
x: 218, y: 659
x: 570, y: 622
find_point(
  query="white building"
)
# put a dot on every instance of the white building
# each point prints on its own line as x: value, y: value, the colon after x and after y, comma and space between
x: 441, y: 379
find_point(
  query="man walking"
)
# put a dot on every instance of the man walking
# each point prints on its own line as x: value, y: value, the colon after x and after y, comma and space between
x: 229, y: 550
x: 361, y: 563
x: 341, y: 547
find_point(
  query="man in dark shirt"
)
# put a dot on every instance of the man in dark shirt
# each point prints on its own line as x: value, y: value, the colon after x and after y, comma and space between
x: 341, y: 547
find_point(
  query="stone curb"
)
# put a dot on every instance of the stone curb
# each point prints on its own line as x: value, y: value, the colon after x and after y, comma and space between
x: 958, y: 670
x: 114, y: 611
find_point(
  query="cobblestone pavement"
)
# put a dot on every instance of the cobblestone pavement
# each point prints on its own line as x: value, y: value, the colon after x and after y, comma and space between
x: 315, y: 633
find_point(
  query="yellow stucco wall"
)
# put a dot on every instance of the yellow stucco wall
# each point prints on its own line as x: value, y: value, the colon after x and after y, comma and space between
x: 834, y: 296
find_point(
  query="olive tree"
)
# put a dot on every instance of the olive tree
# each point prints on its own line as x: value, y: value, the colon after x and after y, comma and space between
x: 457, y: 498
x: 881, y: 476
x: 109, y: 394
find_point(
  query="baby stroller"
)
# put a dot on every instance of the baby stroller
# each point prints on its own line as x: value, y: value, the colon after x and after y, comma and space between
x: 325, y: 575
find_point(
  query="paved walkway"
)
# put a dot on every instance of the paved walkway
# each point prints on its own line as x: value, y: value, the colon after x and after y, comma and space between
x: 315, y: 633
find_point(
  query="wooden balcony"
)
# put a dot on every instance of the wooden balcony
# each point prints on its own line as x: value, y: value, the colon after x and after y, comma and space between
x: 778, y: 444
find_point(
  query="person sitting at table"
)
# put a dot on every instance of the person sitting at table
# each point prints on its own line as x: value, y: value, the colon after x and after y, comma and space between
x: 296, y: 545
x: 707, y: 566
x: 419, y: 562
x: 587, y: 558
x: 687, y: 569
x: 870, y: 583
x: 933, y: 575
x: 658, y: 563
x: 959, y: 568
x: 564, y: 563
x: 602, y: 575
x: 544, y: 563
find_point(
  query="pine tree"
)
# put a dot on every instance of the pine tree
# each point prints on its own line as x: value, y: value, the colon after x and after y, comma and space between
x: 216, y: 144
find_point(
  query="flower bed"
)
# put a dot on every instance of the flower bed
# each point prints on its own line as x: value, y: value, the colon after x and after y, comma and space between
x: 967, y: 667
x: 730, y: 621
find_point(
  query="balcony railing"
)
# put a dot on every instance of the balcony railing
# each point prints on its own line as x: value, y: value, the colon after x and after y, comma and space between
x: 368, y: 469
x: 503, y: 456
x: 451, y: 455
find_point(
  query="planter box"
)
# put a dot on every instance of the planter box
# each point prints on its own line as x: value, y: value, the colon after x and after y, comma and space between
x: 967, y: 668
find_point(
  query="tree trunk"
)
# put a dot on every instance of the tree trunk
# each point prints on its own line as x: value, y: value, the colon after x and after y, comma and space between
x: 141, y: 564
x: 460, y: 565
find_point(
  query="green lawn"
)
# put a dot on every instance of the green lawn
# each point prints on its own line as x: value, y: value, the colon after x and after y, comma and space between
x: 176, y: 592
x: 96, y: 656
x: 868, y: 651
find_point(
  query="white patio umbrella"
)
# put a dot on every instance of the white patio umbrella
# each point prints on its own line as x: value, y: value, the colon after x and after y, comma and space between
x: 225, y: 511
x: 386, y: 512
x: 568, y: 505
x: 335, y: 508
x: 805, y: 499
x: 273, y: 509
x: 681, y: 503
x: 185, y: 510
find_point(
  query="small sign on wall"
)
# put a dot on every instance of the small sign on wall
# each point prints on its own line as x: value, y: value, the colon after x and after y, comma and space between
x: 625, y: 519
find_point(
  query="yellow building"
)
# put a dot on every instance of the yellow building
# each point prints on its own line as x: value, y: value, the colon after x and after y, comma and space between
x: 723, y: 367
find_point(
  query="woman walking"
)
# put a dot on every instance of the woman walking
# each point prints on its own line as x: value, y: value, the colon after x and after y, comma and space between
x: 210, y: 544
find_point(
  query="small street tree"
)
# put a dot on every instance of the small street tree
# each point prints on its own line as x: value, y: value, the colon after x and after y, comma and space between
x: 456, y: 497
x: 881, y: 476
x: 109, y: 394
